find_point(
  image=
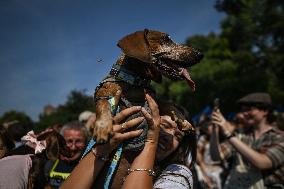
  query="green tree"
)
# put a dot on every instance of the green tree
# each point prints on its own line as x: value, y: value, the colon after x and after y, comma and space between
x: 255, y: 32
x: 245, y: 57
x: 20, y: 117
x: 77, y: 102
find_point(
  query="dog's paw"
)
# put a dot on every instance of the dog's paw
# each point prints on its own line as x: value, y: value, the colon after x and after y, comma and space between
x: 103, y: 130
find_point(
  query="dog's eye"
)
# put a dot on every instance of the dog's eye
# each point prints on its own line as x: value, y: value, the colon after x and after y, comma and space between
x: 166, y: 39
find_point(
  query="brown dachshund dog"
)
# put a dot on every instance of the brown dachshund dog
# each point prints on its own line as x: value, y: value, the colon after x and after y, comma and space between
x: 147, y: 55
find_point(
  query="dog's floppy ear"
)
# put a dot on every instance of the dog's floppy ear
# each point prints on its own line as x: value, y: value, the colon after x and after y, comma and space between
x: 136, y: 45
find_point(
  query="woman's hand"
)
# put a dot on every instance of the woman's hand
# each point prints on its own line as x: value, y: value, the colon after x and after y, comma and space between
x: 119, y: 128
x: 145, y: 160
x: 153, y: 120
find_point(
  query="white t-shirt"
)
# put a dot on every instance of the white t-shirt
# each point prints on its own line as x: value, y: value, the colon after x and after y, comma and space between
x: 175, y: 176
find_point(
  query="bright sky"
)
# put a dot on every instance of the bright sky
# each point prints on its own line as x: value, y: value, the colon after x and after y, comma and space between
x: 50, y: 47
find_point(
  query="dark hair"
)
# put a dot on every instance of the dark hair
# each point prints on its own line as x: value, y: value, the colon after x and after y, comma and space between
x: 37, y: 172
x: 270, y: 115
x: 188, y: 145
x: 6, y: 138
x: 17, y: 131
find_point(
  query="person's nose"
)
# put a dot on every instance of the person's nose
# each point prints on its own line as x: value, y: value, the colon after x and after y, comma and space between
x: 72, y: 146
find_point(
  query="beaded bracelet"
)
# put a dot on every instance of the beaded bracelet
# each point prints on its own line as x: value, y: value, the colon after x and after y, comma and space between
x: 150, y: 171
x: 100, y: 157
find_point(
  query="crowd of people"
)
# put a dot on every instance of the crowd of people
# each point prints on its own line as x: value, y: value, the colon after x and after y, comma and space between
x: 249, y: 150
x: 246, y: 152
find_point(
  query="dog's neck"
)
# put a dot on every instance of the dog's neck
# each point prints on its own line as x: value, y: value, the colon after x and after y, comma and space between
x: 121, y: 73
x: 126, y: 70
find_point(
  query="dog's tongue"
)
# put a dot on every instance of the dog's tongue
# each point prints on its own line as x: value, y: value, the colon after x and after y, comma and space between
x: 186, y: 75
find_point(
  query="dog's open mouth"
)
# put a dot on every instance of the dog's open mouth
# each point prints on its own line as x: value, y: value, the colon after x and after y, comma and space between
x: 175, y: 72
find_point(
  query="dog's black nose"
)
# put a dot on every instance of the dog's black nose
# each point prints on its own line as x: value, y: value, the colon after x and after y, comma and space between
x: 200, y: 55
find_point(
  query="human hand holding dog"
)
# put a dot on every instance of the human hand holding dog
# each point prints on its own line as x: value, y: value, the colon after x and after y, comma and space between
x: 142, y: 166
x: 153, y: 120
x: 120, y: 128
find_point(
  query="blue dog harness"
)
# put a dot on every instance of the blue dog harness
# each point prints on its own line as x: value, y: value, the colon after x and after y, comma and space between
x: 118, y: 153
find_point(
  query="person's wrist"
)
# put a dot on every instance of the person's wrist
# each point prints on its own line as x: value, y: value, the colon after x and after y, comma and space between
x: 151, y: 143
x: 152, y: 139
x: 103, y: 156
x: 150, y: 172
x: 103, y: 149
x: 229, y: 134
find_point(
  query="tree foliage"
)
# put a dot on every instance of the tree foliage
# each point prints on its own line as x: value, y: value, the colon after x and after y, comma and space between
x: 77, y: 102
x: 245, y: 57
x: 21, y: 117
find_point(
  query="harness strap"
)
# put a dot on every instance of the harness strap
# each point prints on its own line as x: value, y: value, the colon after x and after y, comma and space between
x: 113, y: 166
x: 117, y: 156
x: 120, y: 73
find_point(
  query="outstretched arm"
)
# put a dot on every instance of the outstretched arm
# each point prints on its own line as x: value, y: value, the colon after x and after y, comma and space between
x: 139, y: 175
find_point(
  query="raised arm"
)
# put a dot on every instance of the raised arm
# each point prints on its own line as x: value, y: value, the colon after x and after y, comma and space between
x: 259, y: 160
x: 140, y: 173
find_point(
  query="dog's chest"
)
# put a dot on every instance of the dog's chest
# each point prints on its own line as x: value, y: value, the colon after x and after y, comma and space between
x: 134, y: 94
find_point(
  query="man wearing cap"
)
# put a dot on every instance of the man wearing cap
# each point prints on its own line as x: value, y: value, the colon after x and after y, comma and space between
x: 258, y: 152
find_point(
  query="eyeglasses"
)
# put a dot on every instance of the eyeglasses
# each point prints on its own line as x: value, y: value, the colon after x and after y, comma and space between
x: 78, y: 143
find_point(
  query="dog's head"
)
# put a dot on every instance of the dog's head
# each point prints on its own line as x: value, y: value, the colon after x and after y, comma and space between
x: 161, y: 54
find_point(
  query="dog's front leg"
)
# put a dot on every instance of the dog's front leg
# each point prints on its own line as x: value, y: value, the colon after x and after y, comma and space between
x: 103, y: 126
